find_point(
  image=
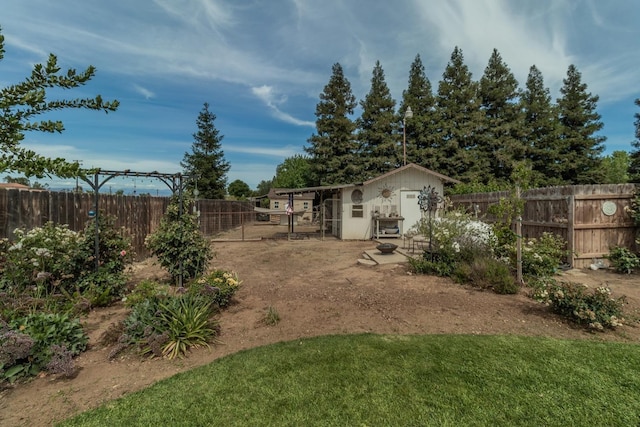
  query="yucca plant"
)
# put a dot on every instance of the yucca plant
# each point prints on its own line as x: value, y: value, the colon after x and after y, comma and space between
x: 187, y: 321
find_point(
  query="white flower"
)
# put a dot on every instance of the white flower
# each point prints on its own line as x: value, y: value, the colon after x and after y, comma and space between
x: 43, y: 252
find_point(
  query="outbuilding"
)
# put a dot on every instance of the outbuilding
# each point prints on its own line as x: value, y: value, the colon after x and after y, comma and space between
x: 385, y: 206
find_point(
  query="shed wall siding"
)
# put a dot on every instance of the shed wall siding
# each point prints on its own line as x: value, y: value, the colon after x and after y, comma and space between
x: 362, y: 228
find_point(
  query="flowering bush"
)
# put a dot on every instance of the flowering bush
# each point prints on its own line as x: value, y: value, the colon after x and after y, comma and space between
x: 55, y: 265
x: 597, y: 310
x: 39, y: 258
x: 219, y: 285
x: 540, y: 257
x: 456, y: 235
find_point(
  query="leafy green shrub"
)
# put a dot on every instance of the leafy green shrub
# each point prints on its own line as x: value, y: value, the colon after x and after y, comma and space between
x: 101, y: 288
x: 486, y: 272
x: 432, y: 265
x: 146, y: 289
x: 597, y: 310
x: 634, y: 207
x: 505, y: 211
x: 114, y: 248
x: 623, y: 260
x: 178, y: 243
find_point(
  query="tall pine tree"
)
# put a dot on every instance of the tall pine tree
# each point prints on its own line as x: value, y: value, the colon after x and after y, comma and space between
x: 500, y: 144
x: 541, y: 129
x: 377, y: 128
x: 333, y: 149
x: 634, y: 166
x: 580, y: 146
x: 458, y: 120
x: 206, y: 163
x: 419, y: 129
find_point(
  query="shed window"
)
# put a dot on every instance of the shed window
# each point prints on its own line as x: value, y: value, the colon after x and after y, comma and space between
x: 305, y: 205
x: 276, y: 205
x: 357, y: 211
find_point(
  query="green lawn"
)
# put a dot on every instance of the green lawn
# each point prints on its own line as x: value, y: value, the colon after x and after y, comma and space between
x: 382, y: 380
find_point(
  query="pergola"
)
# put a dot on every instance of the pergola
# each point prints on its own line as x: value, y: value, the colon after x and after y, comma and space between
x: 176, y: 183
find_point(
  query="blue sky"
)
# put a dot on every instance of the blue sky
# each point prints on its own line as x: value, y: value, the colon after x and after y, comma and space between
x: 261, y: 66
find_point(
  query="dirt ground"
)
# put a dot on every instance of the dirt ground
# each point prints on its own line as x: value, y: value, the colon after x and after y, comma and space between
x: 318, y: 288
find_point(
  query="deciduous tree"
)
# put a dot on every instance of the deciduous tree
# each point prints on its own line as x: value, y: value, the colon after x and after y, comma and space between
x: 616, y: 167
x: 294, y: 172
x: 22, y: 103
x: 239, y: 189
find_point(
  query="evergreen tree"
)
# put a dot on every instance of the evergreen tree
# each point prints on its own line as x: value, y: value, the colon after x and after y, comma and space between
x: 333, y: 149
x: 580, y: 147
x: 419, y: 129
x: 458, y: 119
x: 500, y: 143
x: 377, y: 128
x: 634, y: 165
x: 206, y: 163
x: 541, y: 131
x: 22, y: 103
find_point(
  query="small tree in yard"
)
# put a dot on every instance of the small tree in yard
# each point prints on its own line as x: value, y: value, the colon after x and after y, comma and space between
x: 178, y: 243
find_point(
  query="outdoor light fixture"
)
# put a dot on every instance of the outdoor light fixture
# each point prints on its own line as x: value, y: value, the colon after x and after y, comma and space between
x: 407, y: 115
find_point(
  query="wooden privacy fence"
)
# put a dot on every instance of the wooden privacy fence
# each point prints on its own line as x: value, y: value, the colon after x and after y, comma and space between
x: 138, y: 215
x: 591, y: 218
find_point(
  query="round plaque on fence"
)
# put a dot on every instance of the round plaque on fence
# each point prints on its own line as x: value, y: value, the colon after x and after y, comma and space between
x: 609, y: 208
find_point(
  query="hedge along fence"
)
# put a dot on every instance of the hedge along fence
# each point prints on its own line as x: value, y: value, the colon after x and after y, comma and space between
x: 139, y: 215
x: 591, y: 218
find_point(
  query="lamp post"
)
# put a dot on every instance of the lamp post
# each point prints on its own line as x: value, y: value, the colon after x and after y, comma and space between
x: 407, y: 115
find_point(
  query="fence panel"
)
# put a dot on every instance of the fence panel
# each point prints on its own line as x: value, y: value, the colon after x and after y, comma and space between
x: 139, y: 216
x: 591, y: 218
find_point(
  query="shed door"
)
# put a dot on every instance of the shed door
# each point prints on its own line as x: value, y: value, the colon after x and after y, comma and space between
x: 409, y: 209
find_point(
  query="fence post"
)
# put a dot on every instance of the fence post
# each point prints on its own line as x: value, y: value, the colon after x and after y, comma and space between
x: 571, y: 218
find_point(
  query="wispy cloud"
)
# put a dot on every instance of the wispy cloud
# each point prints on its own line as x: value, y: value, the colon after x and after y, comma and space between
x: 143, y: 91
x: 280, y: 152
x: 268, y: 95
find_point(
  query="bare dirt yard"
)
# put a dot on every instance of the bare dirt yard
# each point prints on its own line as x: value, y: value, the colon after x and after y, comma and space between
x: 318, y: 288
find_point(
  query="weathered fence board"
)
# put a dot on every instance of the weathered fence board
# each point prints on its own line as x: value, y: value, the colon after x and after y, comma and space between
x: 139, y: 216
x: 576, y: 213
